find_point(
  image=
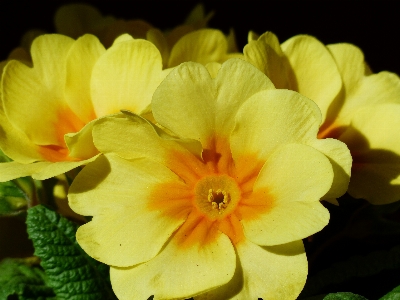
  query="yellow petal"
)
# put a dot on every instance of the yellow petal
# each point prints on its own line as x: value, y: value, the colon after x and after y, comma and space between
x: 359, y: 89
x: 269, y: 273
x: 208, y: 105
x: 272, y: 118
x: 315, y: 71
x: 190, y: 90
x: 13, y: 170
x: 33, y: 98
x: 266, y: 55
x: 157, y: 38
x: 108, y: 237
x: 15, y: 144
x: 373, y: 141
x: 125, y: 77
x: 130, y: 136
x: 340, y: 158
x: 235, y: 83
x: 80, y: 61
x: 252, y: 36
x: 295, y: 177
x: 202, y: 46
x: 123, y: 38
x: 213, y: 69
x: 53, y: 169
x: 177, y: 273
x: 80, y: 144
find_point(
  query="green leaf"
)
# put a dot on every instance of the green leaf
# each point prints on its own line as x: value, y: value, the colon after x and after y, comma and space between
x: 71, y: 272
x: 13, y: 200
x: 393, y: 295
x: 344, y: 296
x: 18, y: 277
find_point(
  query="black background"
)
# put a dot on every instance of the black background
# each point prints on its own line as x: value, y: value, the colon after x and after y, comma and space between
x: 373, y: 26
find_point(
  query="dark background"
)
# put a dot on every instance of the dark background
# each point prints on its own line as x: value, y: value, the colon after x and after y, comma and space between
x: 373, y: 26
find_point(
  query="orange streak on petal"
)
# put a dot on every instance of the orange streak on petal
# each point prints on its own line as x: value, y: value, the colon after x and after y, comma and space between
x: 218, y: 156
x: 197, y: 230
x: 54, y: 153
x: 247, y: 169
x: 254, y: 204
x: 232, y: 227
x: 174, y: 199
x: 187, y: 166
x: 67, y: 122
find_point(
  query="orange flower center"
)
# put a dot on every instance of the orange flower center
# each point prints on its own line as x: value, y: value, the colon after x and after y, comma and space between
x: 216, y: 194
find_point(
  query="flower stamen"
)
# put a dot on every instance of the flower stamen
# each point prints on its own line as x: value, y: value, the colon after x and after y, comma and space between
x: 219, y: 199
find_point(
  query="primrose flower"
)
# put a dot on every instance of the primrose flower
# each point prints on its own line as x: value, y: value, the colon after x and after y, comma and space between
x: 218, y: 210
x: 359, y: 108
x: 47, y: 110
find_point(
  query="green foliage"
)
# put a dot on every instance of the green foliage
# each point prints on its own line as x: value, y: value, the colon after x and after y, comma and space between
x: 393, y: 295
x: 19, y: 278
x: 71, y: 273
x: 13, y: 200
x: 344, y: 296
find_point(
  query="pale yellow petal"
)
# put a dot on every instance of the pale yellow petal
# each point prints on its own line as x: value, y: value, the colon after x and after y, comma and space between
x: 108, y: 237
x: 213, y: 69
x: 123, y: 38
x: 201, y: 46
x: 350, y: 63
x: 80, y: 61
x: 339, y: 155
x: 272, y: 118
x: 316, y: 75
x: 293, y: 189
x: 15, y: 144
x: 80, y: 144
x: 130, y: 136
x: 189, y: 89
x: 359, y: 89
x: 12, y: 170
x: 268, y: 273
x: 125, y: 77
x: 33, y: 98
x: 176, y: 272
x: 235, y: 83
x: 209, y: 105
x: 158, y: 39
x: 375, y: 146
x: 252, y: 36
x: 266, y: 55
x: 287, y: 222
x: 52, y: 169
x: 288, y: 175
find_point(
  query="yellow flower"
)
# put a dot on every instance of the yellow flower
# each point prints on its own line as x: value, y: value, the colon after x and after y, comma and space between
x: 47, y: 111
x: 358, y: 107
x: 218, y: 213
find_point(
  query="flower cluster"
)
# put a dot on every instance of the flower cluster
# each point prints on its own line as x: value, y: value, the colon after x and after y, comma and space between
x: 203, y: 168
